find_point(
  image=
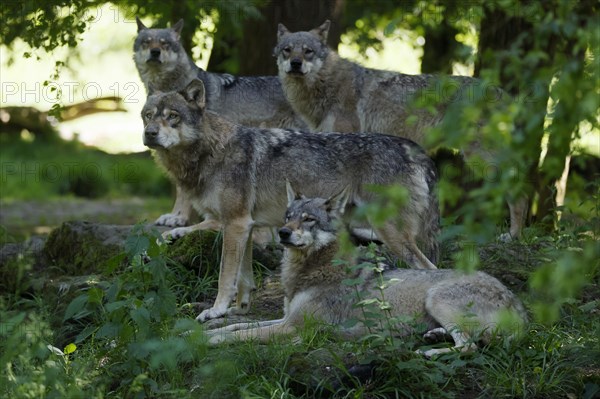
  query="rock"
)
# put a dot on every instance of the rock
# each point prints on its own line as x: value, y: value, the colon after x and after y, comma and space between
x: 82, y: 247
x: 16, y: 262
x: 201, y: 250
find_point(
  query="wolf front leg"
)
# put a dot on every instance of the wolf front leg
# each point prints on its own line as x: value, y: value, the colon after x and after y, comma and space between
x: 181, y: 213
x: 518, y: 217
x: 236, y: 234
x: 264, y: 332
x: 245, y: 282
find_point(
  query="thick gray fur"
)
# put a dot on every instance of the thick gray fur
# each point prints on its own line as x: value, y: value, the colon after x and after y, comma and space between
x: 236, y: 175
x: 335, y: 94
x: 248, y: 101
x: 467, y: 307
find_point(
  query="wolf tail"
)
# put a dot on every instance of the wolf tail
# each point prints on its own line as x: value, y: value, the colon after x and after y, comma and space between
x: 430, y: 230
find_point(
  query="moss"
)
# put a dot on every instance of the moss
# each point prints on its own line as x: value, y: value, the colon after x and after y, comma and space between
x: 78, y: 248
x: 15, y: 275
x: 201, y: 251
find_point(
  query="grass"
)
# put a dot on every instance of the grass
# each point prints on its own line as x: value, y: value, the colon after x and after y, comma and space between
x: 38, y: 170
x: 45, y: 182
x: 134, y: 335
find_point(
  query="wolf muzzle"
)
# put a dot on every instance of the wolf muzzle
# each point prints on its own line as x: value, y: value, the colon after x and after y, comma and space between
x: 151, y: 135
x: 296, y: 66
x: 154, y: 55
x: 284, y: 234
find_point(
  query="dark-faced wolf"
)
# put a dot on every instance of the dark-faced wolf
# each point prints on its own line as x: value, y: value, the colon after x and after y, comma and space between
x: 164, y: 65
x: 334, y: 94
x: 466, y: 307
x: 236, y: 175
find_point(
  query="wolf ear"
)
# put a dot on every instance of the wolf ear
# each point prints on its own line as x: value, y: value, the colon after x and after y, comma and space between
x: 194, y: 92
x: 322, y: 31
x: 177, y: 28
x: 281, y: 31
x: 337, y: 203
x: 140, y: 24
x: 291, y: 194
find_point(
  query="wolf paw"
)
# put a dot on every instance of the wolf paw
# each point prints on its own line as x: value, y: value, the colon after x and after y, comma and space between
x: 430, y: 353
x: 209, y: 314
x: 505, y: 237
x: 174, y: 234
x: 218, y: 338
x: 435, y: 335
x: 239, y: 310
x: 172, y: 220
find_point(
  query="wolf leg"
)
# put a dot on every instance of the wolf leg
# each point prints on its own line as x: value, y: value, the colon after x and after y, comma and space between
x: 518, y: 215
x: 262, y: 333
x: 404, y: 245
x: 242, y: 326
x: 181, y: 213
x: 435, y: 335
x: 452, y: 306
x: 208, y: 224
x: 461, y: 343
x: 236, y: 234
x: 245, y: 282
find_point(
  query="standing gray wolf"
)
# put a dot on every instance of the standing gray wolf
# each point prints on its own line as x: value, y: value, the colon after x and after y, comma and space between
x: 334, y: 94
x: 236, y: 175
x: 164, y: 65
x: 444, y: 301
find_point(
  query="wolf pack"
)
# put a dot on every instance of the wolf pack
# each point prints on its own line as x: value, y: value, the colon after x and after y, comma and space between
x: 296, y: 154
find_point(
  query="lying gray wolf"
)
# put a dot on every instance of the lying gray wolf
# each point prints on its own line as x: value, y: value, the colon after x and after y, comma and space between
x: 334, y: 94
x: 236, y: 175
x: 443, y: 301
x: 164, y: 65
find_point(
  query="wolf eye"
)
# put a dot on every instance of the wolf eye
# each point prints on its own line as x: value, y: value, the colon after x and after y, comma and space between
x: 148, y: 115
x: 287, y: 50
x: 173, y: 116
x: 309, y: 219
x: 309, y: 51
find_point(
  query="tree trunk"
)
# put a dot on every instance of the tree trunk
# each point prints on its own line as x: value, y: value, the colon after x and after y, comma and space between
x: 254, y: 50
x: 182, y: 10
x: 501, y: 36
x: 439, y: 49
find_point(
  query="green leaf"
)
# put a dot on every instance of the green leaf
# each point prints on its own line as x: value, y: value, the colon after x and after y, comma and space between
x: 76, y: 306
x: 112, y: 306
x: 70, y: 348
x: 95, y: 295
x: 136, y: 245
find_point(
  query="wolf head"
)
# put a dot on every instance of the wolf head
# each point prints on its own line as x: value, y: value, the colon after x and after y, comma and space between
x: 301, y: 53
x: 172, y: 119
x: 311, y: 223
x: 158, y: 49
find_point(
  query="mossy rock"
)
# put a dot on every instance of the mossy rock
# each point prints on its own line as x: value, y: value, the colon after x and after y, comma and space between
x: 17, y: 262
x: 79, y: 248
x: 201, y: 250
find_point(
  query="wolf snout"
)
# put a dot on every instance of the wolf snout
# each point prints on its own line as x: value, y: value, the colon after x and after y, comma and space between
x: 154, y: 52
x: 150, y: 135
x: 151, y: 132
x: 285, y: 233
x: 296, y: 65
